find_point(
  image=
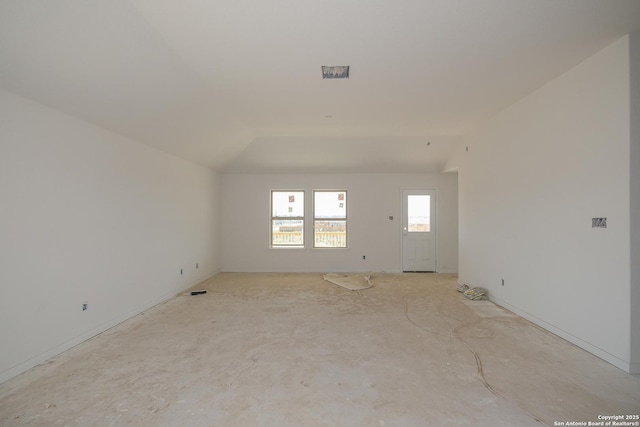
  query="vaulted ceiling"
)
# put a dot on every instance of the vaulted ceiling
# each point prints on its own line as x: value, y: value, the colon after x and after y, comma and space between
x: 236, y: 85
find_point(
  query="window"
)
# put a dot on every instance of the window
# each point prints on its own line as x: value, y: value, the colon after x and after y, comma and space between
x: 329, y: 219
x: 419, y: 213
x: 287, y: 219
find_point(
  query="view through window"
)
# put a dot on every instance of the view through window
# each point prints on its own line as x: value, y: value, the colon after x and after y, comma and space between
x: 419, y: 213
x: 287, y: 219
x: 329, y: 219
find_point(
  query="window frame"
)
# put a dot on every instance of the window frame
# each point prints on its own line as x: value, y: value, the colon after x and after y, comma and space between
x: 345, y: 219
x: 273, y: 218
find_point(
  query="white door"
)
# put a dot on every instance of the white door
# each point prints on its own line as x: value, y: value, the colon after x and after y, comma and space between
x: 418, y: 230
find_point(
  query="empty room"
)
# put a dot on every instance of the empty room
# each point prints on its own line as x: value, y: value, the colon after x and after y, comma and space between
x: 334, y: 213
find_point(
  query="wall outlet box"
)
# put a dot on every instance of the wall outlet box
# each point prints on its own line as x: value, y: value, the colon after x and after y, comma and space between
x: 598, y: 222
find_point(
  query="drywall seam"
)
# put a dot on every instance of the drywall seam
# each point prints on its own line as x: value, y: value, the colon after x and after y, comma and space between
x: 602, y: 354
x: 61, y: 348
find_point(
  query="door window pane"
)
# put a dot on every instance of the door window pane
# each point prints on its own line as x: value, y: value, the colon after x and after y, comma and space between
x: 419, y: 213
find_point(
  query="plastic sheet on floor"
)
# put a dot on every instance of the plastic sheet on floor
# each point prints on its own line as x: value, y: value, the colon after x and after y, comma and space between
x: 353, y: 282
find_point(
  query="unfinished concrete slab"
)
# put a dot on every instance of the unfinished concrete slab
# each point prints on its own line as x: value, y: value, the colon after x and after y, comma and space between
x: 288, y: 350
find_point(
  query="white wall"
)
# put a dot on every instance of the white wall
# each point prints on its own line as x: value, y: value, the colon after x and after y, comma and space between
x: 634, y: 301
x: 90, y: 216
x: 372, y: 198
x: 530, y: 183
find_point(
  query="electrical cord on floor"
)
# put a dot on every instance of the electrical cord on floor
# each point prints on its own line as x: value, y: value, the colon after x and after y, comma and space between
x: 454, y: 333
x: 480, y: 371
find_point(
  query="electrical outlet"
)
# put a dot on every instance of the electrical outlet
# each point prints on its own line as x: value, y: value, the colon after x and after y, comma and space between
x: 502, y: 282
x: 181, y: 271
x: 364, y: 257
x: 85, y: 306
x: 197, y: 265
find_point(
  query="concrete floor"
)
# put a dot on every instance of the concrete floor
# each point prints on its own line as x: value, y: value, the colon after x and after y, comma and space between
x: 294, y: 350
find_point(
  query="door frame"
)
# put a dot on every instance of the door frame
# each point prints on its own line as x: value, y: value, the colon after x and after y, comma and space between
x: 434, y: 220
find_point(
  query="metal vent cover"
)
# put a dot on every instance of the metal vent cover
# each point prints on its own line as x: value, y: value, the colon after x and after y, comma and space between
x: 335, y: 72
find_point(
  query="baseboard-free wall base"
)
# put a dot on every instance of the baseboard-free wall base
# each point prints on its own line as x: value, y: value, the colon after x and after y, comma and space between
x: 43, y: 357
x: 631, y: 368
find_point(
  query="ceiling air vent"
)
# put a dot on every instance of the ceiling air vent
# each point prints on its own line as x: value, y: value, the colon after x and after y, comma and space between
x: 335, y: 72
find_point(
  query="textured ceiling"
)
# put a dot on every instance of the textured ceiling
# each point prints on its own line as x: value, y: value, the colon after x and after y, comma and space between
x: 236, y: 84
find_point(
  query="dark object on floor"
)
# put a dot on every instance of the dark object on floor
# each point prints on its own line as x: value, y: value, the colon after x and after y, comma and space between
x: 198, y: 292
